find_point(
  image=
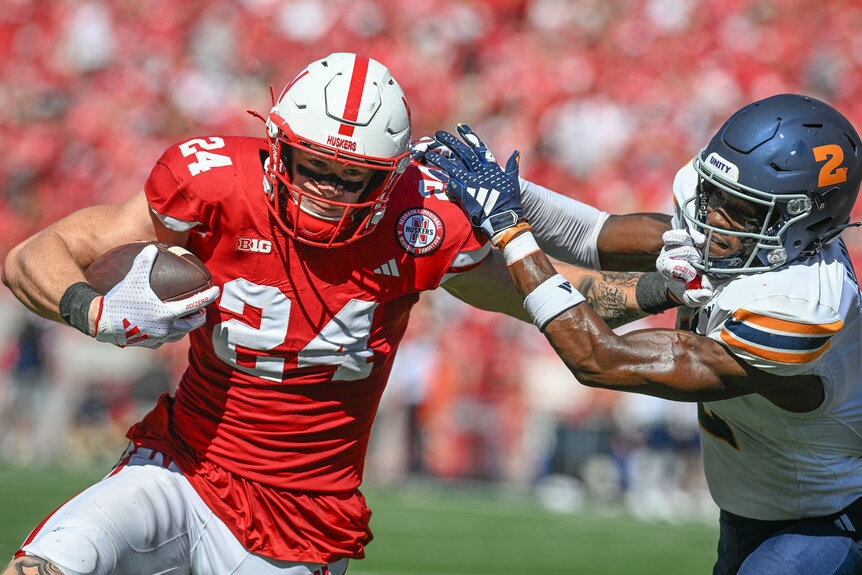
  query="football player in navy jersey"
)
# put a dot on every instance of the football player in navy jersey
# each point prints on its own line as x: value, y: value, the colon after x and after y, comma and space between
x: 320, y: 237
x: 769, y: 342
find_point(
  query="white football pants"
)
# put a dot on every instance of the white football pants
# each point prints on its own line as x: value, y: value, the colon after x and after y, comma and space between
x: 146, y: 519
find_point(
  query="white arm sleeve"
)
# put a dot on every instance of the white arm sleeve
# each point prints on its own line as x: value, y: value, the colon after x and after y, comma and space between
x: 564, y: 228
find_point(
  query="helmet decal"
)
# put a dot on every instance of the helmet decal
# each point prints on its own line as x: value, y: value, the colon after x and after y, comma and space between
x: 724, y: 167
x: 830, y: 173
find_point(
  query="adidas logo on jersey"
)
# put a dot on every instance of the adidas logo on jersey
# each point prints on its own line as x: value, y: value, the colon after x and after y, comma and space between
x: 390, y: 268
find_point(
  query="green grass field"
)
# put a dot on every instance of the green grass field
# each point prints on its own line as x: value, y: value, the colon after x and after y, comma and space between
x: 452, y: 531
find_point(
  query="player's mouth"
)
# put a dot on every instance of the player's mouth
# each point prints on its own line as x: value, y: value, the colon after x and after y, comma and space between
x: 722, y: 247
x: 321, y: 210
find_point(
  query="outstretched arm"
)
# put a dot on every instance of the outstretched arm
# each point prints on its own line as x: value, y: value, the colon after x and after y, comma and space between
x: 666, y: 363
x: 672, y: 364
x: 582, y: 235
x: 632, y: 242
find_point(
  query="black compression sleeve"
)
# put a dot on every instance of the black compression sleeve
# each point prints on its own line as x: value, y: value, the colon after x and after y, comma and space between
x: 651, y: 293
x: 75, y: 305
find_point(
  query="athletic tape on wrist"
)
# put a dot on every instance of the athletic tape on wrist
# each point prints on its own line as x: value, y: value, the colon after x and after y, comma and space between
x: 520, y: 247
x: 551, y: 298
x: 504, y: 237
x: 75, y: 305
x: 652, y: 294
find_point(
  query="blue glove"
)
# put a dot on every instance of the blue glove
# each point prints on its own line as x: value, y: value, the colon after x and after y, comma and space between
x: 490, y: 196
x: 425, y: 144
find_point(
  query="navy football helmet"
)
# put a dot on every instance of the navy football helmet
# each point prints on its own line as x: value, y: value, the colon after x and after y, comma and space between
x: 796, y: 159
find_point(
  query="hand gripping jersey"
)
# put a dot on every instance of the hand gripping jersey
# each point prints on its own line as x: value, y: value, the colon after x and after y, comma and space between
x: 764, y: 462
x: 272, y: 417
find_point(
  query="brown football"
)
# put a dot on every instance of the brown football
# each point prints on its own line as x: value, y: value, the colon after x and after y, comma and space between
x: 177, y: 273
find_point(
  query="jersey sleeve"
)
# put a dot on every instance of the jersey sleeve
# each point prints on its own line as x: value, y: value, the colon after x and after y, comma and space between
x: 461, y: 246
x: 780, y: 333
x: 181, y: 189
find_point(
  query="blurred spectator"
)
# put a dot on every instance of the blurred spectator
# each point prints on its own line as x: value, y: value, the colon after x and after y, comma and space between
x: 22, y: 391
x: 605, y: 100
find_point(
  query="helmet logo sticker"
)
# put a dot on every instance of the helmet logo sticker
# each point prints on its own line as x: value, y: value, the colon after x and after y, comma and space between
x: 420, y: 231
x: 341, y: 143
x: 833, y: 155
x: 727, y: 169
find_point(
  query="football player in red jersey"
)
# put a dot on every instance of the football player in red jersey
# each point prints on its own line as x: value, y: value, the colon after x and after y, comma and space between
x: 320, y: 238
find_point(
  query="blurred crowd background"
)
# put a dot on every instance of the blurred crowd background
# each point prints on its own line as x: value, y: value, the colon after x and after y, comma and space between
x: 605, y: 99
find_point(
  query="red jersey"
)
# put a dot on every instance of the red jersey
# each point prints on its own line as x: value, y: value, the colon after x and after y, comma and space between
x: 271, y: 420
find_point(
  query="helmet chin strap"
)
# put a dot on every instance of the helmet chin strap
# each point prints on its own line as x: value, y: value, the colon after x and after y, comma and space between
x: 268, y: 186
x: 734, y: 262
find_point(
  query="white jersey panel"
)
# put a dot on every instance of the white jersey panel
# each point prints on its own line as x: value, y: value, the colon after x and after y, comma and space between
x: 764, y: 462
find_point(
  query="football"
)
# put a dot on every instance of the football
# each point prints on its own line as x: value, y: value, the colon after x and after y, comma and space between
x: 177, y: 273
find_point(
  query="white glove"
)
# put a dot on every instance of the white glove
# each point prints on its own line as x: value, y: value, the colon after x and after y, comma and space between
x: 685, y: 282
x: 132, y: 314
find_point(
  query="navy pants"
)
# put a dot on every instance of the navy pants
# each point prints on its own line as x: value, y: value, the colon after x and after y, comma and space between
x: 816, y: 546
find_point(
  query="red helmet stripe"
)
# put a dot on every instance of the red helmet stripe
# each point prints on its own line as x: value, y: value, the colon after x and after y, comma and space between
x: 354, y: 94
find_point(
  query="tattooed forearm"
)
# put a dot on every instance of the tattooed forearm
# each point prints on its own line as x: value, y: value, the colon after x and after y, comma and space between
x: 611, y: 294
x: 29, y: 565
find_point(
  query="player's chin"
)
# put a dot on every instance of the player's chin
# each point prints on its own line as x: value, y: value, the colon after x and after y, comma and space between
x: 321, y: 211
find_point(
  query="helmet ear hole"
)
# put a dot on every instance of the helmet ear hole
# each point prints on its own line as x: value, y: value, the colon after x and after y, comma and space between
x: 820, y: 226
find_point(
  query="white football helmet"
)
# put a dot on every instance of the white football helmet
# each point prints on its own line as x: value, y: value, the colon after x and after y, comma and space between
x: 347, y: 108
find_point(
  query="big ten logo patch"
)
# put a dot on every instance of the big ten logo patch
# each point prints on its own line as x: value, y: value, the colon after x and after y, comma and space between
x: 420, y: 231
x: 253, y: 245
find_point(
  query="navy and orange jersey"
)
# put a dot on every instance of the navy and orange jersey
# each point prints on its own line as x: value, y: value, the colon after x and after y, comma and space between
x: 762, y: 461
x: 272, y: 417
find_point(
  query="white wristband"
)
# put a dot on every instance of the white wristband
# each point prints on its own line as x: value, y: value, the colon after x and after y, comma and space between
x: 520, y: 247
x: 551, y: 298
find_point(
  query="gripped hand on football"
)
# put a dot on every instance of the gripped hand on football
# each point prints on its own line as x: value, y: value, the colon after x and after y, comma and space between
x: 177, y: 273
x: 153, y: 294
